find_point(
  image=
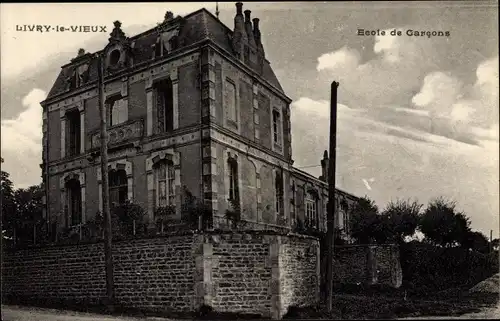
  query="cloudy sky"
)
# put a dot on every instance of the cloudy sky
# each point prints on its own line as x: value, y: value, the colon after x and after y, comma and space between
x: 418, y: 115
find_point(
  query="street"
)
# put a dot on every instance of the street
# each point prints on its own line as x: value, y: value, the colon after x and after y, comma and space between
x: 18, y: 313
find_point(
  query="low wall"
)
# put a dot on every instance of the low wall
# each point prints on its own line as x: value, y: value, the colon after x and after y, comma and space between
x: 252, y: 272
x: 368, y: 264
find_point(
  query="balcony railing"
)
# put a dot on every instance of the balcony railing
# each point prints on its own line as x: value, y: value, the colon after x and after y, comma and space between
x: 120, y: 134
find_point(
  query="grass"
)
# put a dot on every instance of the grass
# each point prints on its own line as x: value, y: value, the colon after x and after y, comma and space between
x: 349, y: 303
x: 385, y: 303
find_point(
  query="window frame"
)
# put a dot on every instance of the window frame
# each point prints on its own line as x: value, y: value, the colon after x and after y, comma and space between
x: 233, y: 188
x: 277, y: 128
x: 121, y: 188
x: 168, y: 179
x: 311, y: 210
x: 116, y: 103
x: 74, y: 132
x: 164, y: 88
x: 279, y: 192
x: 74, y: 192
x: 231, y: 110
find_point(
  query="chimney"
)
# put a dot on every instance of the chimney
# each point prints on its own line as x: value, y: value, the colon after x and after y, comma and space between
x: 239, y: 33
x: 258, y: 42
x: 324, y: 167
x: 248, y: 28
x: 239, y: 8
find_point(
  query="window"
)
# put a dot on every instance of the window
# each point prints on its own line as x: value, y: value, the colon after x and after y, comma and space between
x: 114, y: 57
x: 118, y: 188
x: 233, y: 180
x: 345, y: 216
x: 164, y: 106
x: 73, y: 132
x: 276, y: 127
x: 230, y: 101
x: 117, y: 111
x: 74, y: 202
x: 165, y: 188
x: 166, y: 42
x: 278, y: 186
x: 311, y: 210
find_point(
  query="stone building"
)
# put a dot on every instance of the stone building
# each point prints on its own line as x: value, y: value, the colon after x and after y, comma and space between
x: 192, y: 106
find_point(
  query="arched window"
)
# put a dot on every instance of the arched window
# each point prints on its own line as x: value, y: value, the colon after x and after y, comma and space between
x: 74, y: 202
x: 234, y: 194
x: 311, y: 203
x: 118, y: 188
x: 163, y: 93
x: 164, y: 183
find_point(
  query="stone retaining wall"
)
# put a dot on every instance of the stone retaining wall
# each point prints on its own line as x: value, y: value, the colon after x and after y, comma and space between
x: 253, y: 272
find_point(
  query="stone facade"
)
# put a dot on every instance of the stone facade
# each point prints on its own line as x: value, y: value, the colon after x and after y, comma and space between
x: 258, y: 273
x: 224, y: 102
x: 368, y: 264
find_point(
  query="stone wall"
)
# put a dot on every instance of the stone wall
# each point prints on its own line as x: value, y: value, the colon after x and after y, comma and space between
x: 148, y: 273
x: 368, y: 264
x: 255, y: 272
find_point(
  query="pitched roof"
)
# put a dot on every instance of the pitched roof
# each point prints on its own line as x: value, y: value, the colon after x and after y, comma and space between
x: 195, y: 27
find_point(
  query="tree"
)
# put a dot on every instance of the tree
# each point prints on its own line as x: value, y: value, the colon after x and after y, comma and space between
x: 8, y: 204
x: 442, y: 224
x: 476, y: 241
x: 29, y: 203
x: 365, y: 221
x: 495, y: 243
x: 29, y: 212
x: 399, y: 219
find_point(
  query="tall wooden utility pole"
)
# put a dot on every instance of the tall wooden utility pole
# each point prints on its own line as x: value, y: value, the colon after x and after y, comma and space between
x: 108, y: 256
x: 331, y: 197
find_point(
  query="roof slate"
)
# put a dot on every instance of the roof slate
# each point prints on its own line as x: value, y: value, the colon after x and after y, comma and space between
x: 195, y: 27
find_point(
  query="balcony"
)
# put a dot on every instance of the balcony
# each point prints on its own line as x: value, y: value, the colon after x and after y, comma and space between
x: 120, y: 134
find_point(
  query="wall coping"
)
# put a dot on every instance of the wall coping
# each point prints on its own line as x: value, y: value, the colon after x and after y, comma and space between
x: 164, y: 236
x: 365, y: 245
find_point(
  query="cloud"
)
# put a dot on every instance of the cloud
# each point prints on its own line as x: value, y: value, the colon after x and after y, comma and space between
x: 402, y: 85
x: 344, y: 58
x: 22, y: 141
x: 25, y: 132
x: 404, y: 162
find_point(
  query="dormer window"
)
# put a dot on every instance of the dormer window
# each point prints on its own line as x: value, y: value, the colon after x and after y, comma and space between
x: 166, y: 42
x: 114, y: 57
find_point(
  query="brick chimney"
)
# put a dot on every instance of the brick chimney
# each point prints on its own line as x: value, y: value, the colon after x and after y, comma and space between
x: 257, y: 36
x: 324, y: 167
x: 240, y: 38
x: 248, y: 29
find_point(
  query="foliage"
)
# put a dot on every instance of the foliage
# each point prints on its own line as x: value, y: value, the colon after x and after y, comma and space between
x: 475, y: 241
x: 442, y: 224
x: 195, y: 213
x: 233, y: 215
x: 9, y: 218
x: 162, y: 215
x: 495, y: 243
x: 428, y: 268
x: 128, y: 219
x: 365, y: 221
x: 399, y: 219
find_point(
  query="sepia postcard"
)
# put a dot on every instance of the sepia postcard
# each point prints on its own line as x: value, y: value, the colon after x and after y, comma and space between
x: 250, y: 160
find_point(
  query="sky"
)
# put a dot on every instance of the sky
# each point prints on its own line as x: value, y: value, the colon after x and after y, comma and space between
x: 417, y: 116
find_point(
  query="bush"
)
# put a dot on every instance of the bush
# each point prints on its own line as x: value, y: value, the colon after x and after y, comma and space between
x: 429, y: 268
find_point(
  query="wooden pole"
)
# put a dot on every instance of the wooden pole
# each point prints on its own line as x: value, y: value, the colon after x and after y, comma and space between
x: 105, y: 191
x: 331, y: 197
